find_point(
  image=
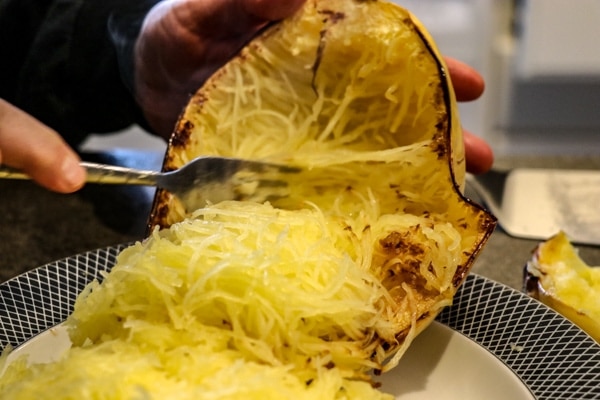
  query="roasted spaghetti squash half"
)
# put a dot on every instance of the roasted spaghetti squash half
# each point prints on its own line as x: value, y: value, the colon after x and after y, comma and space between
x: 357, y: 94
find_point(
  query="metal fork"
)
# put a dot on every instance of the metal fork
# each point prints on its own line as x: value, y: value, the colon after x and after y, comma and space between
x: 202, y: 180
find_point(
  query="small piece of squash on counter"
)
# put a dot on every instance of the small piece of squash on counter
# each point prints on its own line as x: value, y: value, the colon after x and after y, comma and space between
x: 558, y: 277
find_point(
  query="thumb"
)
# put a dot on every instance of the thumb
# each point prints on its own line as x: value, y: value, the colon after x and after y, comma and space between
x: 37, y: 150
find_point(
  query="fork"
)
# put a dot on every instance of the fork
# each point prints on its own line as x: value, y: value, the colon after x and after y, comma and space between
x: 204, y: 179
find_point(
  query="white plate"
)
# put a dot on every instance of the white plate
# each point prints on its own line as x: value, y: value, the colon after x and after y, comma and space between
x: 428, y: 369
x: 443, y: 364
x: 493, y: 342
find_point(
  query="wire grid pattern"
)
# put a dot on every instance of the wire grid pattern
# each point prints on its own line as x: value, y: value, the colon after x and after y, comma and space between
x: 43, y: 297
x: 554, y: 358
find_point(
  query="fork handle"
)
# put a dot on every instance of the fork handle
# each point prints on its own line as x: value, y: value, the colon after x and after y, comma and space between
x: 99, y: 173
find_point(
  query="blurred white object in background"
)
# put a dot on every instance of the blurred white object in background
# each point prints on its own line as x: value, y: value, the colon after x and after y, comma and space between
x: 132, y: 138
x: 551, y: 90
x: 559, y: 38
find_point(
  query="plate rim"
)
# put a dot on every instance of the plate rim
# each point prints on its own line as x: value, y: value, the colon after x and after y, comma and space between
x: 553, y: 357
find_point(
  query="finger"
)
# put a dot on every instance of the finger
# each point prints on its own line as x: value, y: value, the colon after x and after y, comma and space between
x: 468, y: 83
x: 478, y: 152
x: 37, y: 150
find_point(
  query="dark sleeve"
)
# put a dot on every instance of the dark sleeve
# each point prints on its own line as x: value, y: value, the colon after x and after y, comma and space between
x: 69, y: 62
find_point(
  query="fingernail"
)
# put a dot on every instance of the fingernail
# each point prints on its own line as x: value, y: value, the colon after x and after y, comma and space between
x: 73, y: 175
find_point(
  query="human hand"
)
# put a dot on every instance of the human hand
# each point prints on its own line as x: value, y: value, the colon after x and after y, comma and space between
x: 469, y: 85
x: 30, y: 146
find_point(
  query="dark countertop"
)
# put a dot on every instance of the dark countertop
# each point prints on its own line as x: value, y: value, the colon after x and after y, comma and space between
x: 37, y: 226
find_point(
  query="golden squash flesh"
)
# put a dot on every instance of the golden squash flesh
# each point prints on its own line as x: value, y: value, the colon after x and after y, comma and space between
x: 558, y: 277
x: 354, y: 91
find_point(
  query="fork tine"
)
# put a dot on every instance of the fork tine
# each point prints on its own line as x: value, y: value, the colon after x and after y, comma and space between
x: 216, y: 178
x: 258, y: 166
